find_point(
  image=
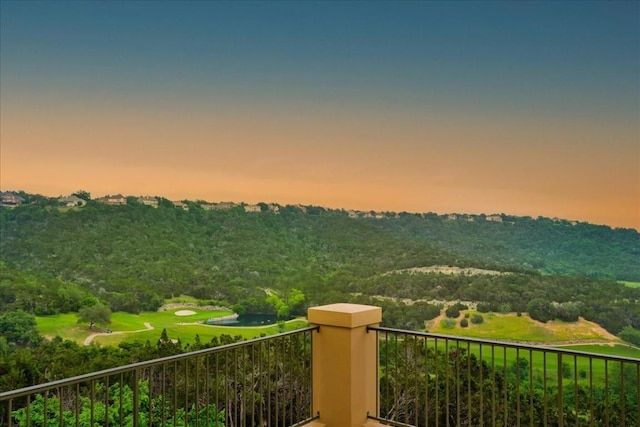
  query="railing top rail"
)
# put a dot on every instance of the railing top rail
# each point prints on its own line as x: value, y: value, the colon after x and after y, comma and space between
x: 508, y: 344
x: 147, y: 363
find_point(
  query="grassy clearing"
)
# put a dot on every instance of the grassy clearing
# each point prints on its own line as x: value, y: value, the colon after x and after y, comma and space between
x: 187, y: 333
x: 160, y: 319
x: 64, y: 325
x: 523, y: 328
x: 133, y: 327
x: 630, y: 284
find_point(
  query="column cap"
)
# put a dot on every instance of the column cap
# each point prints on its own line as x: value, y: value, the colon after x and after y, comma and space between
x: 345, y: 315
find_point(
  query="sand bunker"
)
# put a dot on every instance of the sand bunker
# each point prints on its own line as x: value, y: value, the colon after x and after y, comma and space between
x: 185, y: 313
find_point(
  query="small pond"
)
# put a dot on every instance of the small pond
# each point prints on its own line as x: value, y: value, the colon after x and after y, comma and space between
x: 248, y: 320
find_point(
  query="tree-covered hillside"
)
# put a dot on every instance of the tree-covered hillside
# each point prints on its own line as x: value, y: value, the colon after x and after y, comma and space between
x: 132, y: 256
x: 547, y: 245
x: 137, y: 255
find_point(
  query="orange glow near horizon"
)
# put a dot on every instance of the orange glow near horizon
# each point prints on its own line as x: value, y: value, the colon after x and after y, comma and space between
x: 394, y: 163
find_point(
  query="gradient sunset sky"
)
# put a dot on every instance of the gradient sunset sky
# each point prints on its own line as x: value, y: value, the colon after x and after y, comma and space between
x: 523, y: 108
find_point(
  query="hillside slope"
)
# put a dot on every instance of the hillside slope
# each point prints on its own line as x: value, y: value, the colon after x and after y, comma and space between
x: 132, y: 256
x: 549, y: 246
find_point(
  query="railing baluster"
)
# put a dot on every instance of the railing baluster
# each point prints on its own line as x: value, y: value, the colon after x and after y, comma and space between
x: 417, y: 377
x: 481, y: 384
x: 494, y: 414
x: 469, y: 414
x: 289, y: 368
x: 186, y: 392
x: 638, y: 392
x: 544, y: 387
x: 517, y: 385
x: 120, y: 410
x: 591, y: 412
x: 560, y: 392
x: 164, y: 395
x: 438, y: 377
x: 386, y: 370
x: 106, y: 401
x: 405, y: 378
x: 606, y: 392
x: 458, y: 399
x: 623, y: 400
x: 426, y: 381
x: 205, y: 399
x: 219, y: 407
x: 278, y: 370
x: 504, y: 385
x: 575, y: 389
x: 269, y: 370
x: 76, y: 404
x: 531, y: 387
x: 136, y: 398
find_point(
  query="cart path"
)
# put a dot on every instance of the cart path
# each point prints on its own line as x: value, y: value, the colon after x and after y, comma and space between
x: 87, y: 341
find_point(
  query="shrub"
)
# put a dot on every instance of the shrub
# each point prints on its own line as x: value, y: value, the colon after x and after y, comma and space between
x: 504, y: 308
x: 477, y: 319
x: 464, y: 323
x: 568, y: 312
x: 453, y: 311
x: 630, y: 334
x: 484, y: 307
x: 541, y: 310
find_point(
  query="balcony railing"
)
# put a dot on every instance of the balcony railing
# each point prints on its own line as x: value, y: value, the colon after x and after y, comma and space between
x: 262, y: 382
x: 345, y: 371
x: 439, y: 380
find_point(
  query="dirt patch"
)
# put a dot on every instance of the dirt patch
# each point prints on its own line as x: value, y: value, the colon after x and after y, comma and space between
x: 582, y: 328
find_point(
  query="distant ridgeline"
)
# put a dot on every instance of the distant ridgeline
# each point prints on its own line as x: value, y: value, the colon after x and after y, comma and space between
x: 134, y: 251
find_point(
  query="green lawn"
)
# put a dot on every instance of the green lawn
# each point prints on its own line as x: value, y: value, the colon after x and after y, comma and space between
x: 64, y: 325
x: 523, y: 328
x: 131, y: 327
x: 187, y: 333
x: 615, y: 350
x: 542, y: 363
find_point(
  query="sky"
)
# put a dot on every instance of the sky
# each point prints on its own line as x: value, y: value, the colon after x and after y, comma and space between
x: 522, y: 108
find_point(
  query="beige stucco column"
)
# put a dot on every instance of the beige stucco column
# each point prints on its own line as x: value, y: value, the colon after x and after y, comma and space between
x: 344, y: 363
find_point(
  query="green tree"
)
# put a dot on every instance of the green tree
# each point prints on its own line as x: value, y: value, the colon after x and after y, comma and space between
x: 98, y: 313
x: 541, y: 309
x: 630, y: 334
x: 19, y: 328
x: 567, y: 312
x: 453, y: 311
x: 85, y: 195
x: 296, y: 301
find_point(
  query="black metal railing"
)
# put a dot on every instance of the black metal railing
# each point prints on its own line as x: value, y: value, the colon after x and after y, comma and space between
x: 438, y: 380
x: 261, y: 382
